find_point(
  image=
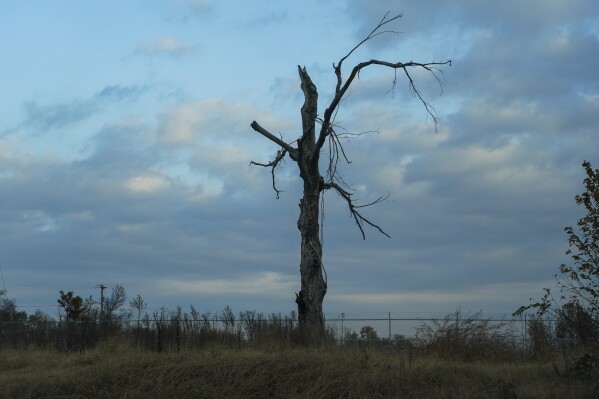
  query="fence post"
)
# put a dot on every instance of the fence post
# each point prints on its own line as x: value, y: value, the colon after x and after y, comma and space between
x: 342, y: 329
x: 525, y: 332
x: 389, y: 326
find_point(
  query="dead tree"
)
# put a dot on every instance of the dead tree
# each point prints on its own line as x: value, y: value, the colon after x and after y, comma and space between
x: 306, y: 154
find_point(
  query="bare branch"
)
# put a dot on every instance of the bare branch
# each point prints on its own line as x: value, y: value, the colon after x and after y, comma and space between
x: 292, y: 151
x: 328, y: 126
x: 430, y: 67
x: 273, y: 164
x: 384, y: 21
x: 341, y: 88
x: 376, y: 201
x: 359, y: 219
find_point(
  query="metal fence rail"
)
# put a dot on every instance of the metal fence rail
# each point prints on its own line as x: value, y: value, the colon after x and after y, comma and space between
x: 179, y: 330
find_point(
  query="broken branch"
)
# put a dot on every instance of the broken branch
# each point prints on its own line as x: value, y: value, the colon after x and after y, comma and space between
x: 292, y: 151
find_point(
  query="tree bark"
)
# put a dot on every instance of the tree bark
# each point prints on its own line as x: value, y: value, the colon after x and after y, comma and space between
x: 313, y: 285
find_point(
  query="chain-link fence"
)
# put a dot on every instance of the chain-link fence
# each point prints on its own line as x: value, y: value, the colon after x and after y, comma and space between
x: 457, y: 333
x: 178, y: 331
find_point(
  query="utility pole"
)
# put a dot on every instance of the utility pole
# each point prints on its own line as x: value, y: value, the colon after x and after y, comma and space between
x: 3, y: 290
x: 102, y: 287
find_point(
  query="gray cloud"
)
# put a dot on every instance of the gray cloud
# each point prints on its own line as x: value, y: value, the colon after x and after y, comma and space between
x: 43, y: 118
x: 184, y: 9
x: 510, y: 19
x: 169, y: 207
x: 120, y: 92
x: 483, y: 201
x: 100, y: 217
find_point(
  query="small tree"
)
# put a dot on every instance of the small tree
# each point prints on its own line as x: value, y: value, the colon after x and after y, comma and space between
x: 576, y: 325
x: 71, y: 304
x: 73, y: 307
x: 306, y: 154
x: 577, y: 307
x: 38, y: 323
x: 368, y: 333
x: 114, y: 302
x: 9, y: 312
x: 139, y: 305
x: 11, y: 319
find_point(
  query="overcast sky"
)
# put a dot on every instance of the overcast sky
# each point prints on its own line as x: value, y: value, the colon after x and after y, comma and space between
x: 125, y: 145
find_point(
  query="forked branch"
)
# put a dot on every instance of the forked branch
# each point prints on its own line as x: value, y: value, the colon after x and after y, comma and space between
x: 285, y: 149
x: 273, y: 164
x: 430, y: 67
x: 353, y: 208
x: 341, y: 87
x: 375, y: 32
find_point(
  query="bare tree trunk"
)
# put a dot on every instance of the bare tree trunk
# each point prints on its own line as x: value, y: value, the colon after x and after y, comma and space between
x: 307, y: 154
x: 313, y: 285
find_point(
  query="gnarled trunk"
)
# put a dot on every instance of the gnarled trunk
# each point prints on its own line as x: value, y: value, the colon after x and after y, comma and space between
x: 313, y: 285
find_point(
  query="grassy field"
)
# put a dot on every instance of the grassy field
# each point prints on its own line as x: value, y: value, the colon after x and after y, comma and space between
x: 117, y: 371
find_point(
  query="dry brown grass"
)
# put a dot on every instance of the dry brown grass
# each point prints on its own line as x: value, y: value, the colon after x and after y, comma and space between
x: 116, y: 371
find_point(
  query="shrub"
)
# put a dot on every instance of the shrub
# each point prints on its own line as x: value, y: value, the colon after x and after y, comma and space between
x: 467, y: 338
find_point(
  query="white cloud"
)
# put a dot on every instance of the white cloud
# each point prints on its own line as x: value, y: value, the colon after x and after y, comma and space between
x: 264, y: 283
x: 179, y: 125
x: 166, y: 45
x: 146, y: 184
x: 485, y: 293
x: 214, y: 120
x: 214, y: 139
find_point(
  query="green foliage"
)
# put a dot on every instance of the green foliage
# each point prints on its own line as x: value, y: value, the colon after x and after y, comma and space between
x: 71, y: 304
x: 576, y: 325
x: 368, y: 333
x: 9, y: 312
x: 38, y: 318
x: 580, y: 283
x: 577, y: 307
